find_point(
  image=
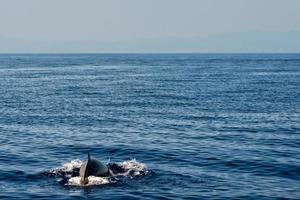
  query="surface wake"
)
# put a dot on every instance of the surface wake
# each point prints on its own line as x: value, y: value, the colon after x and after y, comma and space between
x: 69, y: 173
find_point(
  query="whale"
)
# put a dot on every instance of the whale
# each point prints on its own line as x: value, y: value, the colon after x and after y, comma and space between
x: 93, y: 167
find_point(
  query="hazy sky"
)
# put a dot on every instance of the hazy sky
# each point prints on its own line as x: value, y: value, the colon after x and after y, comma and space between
x: 133, y: 20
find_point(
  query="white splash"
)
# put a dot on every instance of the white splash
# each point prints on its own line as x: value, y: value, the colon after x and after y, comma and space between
x: 93, y: 180
x: 67, y: 167
x: 132, y: 168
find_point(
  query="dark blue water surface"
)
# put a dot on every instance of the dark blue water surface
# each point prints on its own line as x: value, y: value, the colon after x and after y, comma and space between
x: 209, y: 126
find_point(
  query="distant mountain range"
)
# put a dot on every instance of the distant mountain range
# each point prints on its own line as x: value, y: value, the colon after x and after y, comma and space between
x: 240, y: 42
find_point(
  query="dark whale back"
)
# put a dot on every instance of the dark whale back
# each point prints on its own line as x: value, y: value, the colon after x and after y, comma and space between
x: 92, y: 167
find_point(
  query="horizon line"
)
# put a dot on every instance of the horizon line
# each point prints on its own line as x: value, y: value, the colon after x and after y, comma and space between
x: 7, y: 53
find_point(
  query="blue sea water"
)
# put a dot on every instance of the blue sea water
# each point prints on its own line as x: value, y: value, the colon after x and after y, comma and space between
x: 207, y: 126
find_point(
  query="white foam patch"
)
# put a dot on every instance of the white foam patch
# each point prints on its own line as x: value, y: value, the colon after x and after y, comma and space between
x: 93, y: 180
x: 133, y: 167
x: 67, y: 167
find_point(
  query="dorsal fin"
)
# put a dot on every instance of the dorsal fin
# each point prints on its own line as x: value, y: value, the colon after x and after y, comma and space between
x: 89, y: 157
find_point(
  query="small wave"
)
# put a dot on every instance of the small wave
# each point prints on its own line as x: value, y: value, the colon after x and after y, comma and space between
x: 126, y: 169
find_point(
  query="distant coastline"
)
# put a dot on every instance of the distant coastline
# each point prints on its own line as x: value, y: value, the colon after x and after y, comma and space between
x: 241, y: 42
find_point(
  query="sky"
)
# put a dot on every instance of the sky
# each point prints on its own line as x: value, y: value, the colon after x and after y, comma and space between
x: 149, y: 25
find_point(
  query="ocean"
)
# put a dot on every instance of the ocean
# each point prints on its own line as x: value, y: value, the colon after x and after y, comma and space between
x: 185, y: 126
